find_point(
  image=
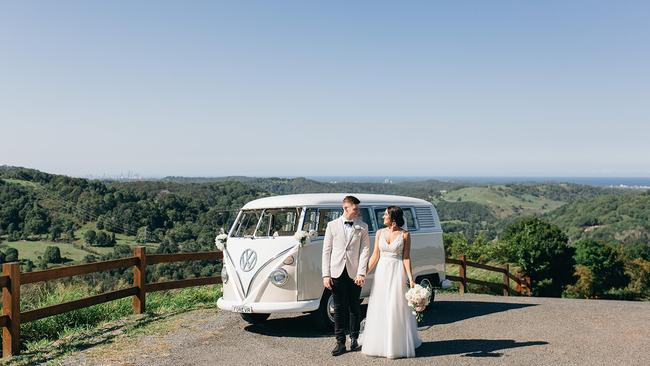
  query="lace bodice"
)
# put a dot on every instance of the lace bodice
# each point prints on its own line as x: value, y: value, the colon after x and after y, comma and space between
x: 394, y: 249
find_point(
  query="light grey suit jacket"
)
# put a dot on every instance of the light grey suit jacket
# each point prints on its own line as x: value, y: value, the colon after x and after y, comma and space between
x: 339, y: 253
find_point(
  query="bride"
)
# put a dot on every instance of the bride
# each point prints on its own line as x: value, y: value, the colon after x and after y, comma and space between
x: 391, y: 329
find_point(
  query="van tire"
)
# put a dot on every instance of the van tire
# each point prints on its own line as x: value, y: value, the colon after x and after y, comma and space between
x: 255, y: 318
x: 321, y: 316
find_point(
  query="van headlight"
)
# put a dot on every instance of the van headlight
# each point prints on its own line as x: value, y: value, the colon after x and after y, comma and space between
x: 224, y: 275
x: 279, y: 277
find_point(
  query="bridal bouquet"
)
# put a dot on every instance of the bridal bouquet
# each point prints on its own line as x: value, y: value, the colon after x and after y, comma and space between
x: 418, y: 298
x: 220, y: 240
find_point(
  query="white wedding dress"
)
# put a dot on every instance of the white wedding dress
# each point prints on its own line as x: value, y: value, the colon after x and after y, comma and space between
x: 391, y: 329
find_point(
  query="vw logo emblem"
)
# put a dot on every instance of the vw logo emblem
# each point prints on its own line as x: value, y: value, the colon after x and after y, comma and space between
x: 248, y: 260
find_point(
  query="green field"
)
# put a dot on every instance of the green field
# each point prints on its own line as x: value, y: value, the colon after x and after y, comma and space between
x: 33, y: 249
x: 28, y: 249
x: 501, y: 202
x: 23, y: 183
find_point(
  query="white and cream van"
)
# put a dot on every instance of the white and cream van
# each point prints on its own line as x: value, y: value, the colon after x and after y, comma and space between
x: 266, y: 269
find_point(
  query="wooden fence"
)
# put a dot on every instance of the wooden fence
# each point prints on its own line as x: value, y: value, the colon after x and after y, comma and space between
x: 11, y: 280
x: 523, y: 286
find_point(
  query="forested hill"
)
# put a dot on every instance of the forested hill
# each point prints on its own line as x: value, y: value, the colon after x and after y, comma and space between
x: 623, y: 218
x: 37, y: 203
x: 420, y: 189
x: 40, y: 204
x: 49, y: 220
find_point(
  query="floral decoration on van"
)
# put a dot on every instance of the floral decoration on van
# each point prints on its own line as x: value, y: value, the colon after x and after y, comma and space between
x: 304, y: 237
x: 221, y: 239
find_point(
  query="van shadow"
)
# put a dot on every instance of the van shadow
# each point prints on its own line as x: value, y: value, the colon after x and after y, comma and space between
x: 302, y: 326
x: 471, y: 347
x: 447, y: 312
x: 442, y: 312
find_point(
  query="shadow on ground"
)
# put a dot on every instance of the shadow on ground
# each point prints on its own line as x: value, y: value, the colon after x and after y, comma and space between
x: 451, y: 311
x: 442, y: 312
x: 471, y: 347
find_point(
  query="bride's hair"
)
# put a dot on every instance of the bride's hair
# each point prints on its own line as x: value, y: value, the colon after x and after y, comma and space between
x: 396, y: 215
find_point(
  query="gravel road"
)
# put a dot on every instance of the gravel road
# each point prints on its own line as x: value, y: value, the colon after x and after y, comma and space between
x: 459, y: 330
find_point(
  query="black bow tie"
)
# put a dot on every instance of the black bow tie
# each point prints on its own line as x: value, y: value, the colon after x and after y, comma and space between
x: 349, y: 223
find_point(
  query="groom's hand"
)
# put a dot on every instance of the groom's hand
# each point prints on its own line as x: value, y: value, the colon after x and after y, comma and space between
x: 327, y: 282
x: 360, y: 280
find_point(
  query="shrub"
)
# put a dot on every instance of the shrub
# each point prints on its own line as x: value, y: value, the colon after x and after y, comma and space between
x: 542, y: 252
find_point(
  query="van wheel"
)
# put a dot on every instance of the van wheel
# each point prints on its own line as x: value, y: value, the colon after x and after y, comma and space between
x: 255, y: 318
x: 324, y: 316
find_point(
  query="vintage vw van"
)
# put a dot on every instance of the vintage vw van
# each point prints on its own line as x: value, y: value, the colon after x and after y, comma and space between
x: 266, y: 269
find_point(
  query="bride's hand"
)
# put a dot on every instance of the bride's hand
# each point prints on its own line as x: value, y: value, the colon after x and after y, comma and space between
x: 411, y: 283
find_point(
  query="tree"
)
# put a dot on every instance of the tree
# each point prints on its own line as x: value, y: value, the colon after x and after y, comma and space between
x: 605, y: 264
x: 583, y: 288
x: 90, y: 237
x: 541, y: 250
x: 36, y: 221
x: 52, y: 255
x: 55, y: 232
x: 11, y: 254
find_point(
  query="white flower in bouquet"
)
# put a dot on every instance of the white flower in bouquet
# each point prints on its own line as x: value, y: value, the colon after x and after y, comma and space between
x: 418, y: 298
x: 221, y: 239
x: 304, y: 237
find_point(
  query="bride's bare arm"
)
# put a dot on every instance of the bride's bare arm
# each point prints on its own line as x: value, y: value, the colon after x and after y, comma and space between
x: 406, y: 258
x: 375, y: 254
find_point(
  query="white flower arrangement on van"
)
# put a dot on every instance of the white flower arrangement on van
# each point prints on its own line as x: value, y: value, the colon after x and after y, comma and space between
x: 304, y: 237
x: 221, y: 239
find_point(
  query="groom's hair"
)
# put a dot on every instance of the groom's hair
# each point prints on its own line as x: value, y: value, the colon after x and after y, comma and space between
x: 351, y: 199
x: 396, y: 215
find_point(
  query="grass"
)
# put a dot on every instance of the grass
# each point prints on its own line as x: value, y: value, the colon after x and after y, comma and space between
x: 86, y: 327
x: 33, y: 249
x: 23, y: 183
x: 501, y: 202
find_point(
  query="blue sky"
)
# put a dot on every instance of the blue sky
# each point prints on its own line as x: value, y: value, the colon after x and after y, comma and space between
x: 418, y: 88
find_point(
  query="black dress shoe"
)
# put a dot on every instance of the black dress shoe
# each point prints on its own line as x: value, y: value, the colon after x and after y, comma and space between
x: 339, y: 349
x: 354, y: 346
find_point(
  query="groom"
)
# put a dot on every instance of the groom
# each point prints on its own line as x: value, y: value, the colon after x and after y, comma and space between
x: 346, y: 249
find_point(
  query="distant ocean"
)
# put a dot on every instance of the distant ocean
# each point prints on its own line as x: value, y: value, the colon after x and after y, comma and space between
x: 593, y: 181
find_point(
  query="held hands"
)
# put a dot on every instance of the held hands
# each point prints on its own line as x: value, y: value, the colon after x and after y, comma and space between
x: 360, y: 281
x: 327, y: 282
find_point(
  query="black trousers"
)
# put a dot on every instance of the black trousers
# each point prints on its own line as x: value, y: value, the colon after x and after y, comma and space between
x: 347, y: 309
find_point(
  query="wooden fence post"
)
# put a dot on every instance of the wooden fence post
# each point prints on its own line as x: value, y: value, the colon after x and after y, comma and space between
x: 11, y: 308
x: 463, y: 274
x: 506, y: 280
x: 140, y: 280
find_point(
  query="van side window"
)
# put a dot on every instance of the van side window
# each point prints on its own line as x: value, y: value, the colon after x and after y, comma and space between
x: 408, y: 215
x: 311, y: 219
x: 365, y: 217
x: 326, y: 215
x: 279, y: 221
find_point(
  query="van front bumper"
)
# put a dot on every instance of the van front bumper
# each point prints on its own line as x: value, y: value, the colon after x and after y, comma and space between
x: 272, y: 307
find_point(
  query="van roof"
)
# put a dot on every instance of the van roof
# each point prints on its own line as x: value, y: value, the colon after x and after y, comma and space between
x: 315, y: 199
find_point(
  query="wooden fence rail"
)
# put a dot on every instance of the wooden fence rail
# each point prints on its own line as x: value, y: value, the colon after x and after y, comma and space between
x: 11, y: 280
x: 523, y: 284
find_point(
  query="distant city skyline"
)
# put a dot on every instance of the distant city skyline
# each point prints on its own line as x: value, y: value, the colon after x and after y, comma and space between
x: 290, y: 88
